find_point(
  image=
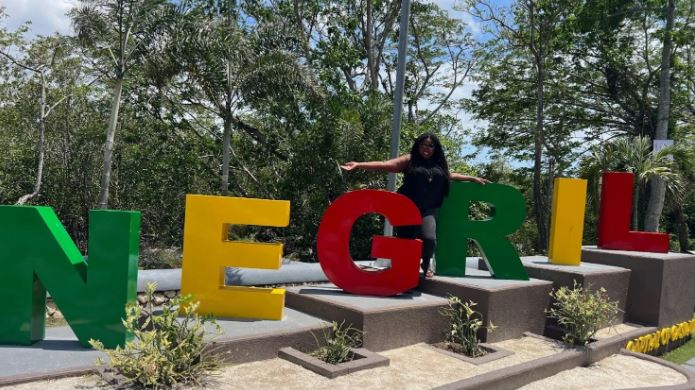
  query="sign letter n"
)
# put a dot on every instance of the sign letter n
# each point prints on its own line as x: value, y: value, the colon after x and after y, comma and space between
x: 37, y: 254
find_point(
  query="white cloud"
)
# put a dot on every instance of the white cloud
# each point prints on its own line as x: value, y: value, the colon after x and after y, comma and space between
x: 47, y: 16
x: 456, y: 10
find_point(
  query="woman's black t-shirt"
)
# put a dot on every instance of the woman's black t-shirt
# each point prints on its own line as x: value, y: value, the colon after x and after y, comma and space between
x: 424, y: 184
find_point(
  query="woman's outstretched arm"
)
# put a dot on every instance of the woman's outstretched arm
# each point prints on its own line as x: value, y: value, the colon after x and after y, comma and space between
x: 395, y: 165
x: 459, y: 177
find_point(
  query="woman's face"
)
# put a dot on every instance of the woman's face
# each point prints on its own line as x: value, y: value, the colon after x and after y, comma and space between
x: 426, y: 148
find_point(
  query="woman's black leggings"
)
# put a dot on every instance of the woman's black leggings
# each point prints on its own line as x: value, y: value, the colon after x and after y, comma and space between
x: 427, y: 232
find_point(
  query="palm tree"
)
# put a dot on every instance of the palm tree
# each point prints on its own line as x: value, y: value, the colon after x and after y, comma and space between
x: 634, y: 155
x: 229, y: 67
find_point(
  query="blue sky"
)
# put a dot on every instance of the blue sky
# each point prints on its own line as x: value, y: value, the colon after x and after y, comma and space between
x: 47, y: 16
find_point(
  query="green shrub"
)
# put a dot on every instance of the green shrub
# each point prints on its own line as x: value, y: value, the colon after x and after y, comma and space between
x: 464, y: 324
x: 165, y: 350
x: 159, y: 258
x: 582, y: 312
x: 337, y: 341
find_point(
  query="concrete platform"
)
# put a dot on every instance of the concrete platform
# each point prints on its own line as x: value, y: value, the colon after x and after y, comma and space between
x: 615, y: 280
x: 690, y: 365
x: 60, y: 354
x: 244, y: 340
x: 387, y: 322
x: 662, y: 288
x: 514, y: 306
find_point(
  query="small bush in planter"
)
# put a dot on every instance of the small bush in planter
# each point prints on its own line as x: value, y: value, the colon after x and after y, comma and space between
x: 165, y: 350
x: 338, y: 341
x: 582, y: 312
x: 464, y: 324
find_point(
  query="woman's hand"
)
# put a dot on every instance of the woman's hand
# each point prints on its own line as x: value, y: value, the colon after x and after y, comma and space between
x: 478, y: 180
x: 349, y: 166
x: 459, y: 177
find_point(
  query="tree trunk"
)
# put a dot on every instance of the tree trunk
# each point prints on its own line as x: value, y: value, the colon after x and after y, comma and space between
x: 635, y: 206
x: 550, y: 185
x: 658, y: 187
x: 103, y: 201
x: 682, y: 229
x: 227, y: 115
x: 306, y: 47
x: 538, y: 201
x: 369, y: 43
x: 539, y: 207
x: 226, y: 139
x: 42, y: 145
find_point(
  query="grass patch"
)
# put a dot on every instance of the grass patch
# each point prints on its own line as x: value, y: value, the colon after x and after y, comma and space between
x: 681, y: 354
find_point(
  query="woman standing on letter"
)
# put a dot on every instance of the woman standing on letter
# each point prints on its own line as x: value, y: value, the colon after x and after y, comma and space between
x: 426, y: 182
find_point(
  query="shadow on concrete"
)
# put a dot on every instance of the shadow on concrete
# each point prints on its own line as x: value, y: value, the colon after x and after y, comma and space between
x: 51, y: 345
x: 337, y: 292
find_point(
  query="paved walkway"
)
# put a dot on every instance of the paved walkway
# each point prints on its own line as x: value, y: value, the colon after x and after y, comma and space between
x: 690, y: 364
x: 60, y: 351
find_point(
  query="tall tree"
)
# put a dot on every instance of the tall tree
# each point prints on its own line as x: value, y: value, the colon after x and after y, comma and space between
x: 528, y: 35
x: 34, y: 65
x: 658, y: 188
x: 118, y: 33
x: 227, y: 65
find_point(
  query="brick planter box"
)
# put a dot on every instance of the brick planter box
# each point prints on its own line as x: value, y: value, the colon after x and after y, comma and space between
x: 492, y: 353
x: 364, y: 360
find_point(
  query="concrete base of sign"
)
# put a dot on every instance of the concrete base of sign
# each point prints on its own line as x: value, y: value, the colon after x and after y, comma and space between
x: 661, y: 291
x: 244, y: 340
x: 387, y: 322
x: 615, y: 280
x: 515, y: 306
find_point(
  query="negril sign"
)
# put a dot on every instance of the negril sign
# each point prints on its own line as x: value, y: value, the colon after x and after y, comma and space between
x: 37, y: 254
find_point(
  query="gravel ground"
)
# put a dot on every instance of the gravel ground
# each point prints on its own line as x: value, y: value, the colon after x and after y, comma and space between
x: 420, y: 367
x: 614, y: 331
x: 412, y: 367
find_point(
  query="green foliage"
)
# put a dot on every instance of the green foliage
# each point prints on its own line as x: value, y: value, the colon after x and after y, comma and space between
x: 160, y: 258
x: 306, y: 92
x: 296, y: 105
x: 582, y: 312
x: 464, y: 325
x: 336, y: 343
x: 166, y: 350
x: 682, y: 354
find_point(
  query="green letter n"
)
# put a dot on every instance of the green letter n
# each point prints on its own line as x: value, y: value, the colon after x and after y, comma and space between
x: 37, y: 254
